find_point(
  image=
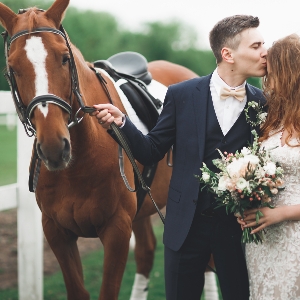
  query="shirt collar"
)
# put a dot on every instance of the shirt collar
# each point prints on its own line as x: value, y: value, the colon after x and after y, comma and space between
x: 218, y: 82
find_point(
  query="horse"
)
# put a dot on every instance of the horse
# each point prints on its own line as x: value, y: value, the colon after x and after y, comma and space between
x: 80, y: 191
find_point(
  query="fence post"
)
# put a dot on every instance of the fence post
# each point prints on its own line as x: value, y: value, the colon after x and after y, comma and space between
x: 30, y: 234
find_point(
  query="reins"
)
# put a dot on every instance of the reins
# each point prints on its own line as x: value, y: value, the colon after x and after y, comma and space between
x: 123, y: 143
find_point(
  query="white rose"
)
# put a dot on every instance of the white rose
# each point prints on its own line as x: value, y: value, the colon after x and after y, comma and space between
x: 260, y: 172
x: 270, y: 168
x: 252, y: 159
x: 241, y: 184
x: 235, y: 168
x: 274, y: 191
x: 222, y: 183
x: 245, y: 151
x: 205, y: 176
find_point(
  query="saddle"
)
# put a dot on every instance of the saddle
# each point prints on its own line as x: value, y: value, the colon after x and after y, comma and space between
x: 132, y: 69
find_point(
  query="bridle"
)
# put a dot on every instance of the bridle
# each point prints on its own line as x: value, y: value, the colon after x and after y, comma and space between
x: 24, y: 113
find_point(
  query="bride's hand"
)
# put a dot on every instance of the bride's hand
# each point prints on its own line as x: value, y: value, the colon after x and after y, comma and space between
x: 270, y: 216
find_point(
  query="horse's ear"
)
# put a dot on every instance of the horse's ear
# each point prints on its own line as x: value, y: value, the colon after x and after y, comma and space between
x: 7, y: 18
x: 57, y: 11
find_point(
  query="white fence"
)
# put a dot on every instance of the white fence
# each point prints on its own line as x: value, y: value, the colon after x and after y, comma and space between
x: 30, y: 234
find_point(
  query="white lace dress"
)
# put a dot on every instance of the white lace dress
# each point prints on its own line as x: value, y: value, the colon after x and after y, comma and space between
x: 274, y: 265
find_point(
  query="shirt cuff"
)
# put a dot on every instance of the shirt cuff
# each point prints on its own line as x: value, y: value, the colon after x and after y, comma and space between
x: 123, y: 121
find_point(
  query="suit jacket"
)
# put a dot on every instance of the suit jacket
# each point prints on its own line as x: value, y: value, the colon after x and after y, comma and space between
x: 182, y: 124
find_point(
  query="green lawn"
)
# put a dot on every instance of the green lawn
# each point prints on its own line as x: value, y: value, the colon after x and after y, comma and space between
x: 8, y: 155
x: 54, y: 288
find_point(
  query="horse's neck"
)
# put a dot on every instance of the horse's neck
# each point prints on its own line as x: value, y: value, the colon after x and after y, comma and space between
x: 88, y: 131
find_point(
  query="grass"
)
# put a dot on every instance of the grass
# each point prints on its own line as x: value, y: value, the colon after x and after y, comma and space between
x: 92, y: 267
x: 8, y: 155
x: 54, y: 288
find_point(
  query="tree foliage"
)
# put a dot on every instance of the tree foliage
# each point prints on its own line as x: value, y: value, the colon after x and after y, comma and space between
x: 98, y: 35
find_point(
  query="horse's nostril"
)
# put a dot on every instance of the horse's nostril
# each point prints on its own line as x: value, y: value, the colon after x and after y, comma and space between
x: 66, y: 150
x: 40, y: 152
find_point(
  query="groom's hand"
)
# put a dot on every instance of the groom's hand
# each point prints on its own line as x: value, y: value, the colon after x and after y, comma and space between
x: 106, y: 114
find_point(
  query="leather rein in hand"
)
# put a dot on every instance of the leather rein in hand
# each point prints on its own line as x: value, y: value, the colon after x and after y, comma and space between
x: 123, y: 143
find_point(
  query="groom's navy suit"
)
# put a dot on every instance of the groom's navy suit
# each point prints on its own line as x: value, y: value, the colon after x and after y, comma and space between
x: 188, y: 122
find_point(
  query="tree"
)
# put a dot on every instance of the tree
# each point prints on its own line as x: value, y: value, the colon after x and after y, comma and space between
x: 98, y: 35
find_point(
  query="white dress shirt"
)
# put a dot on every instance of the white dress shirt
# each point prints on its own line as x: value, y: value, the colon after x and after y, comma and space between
x: 228, y: 110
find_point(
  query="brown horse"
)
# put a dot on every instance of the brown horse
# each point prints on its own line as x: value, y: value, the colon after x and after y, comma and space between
x: 80, y: 191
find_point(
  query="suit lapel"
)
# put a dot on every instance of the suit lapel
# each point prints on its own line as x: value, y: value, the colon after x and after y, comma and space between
x: 252, y: 96
x: 200, y: 101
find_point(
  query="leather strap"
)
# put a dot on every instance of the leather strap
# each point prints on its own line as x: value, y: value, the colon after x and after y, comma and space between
x: 34, y: 169
x: 122, y: 140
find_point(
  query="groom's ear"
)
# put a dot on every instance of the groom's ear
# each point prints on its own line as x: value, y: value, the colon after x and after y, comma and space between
x: 227, y: 55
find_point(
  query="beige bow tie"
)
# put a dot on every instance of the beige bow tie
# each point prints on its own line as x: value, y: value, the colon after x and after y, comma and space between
x: 239, y: 93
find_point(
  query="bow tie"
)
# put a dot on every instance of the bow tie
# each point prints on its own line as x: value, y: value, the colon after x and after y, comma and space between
x: 239, y: 93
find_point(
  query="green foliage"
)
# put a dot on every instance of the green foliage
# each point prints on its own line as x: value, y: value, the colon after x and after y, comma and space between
x: 256, y: 81
x: 8, y: 155
x: 98, y: 35
x: 15, y: 5
x: 95, y: 34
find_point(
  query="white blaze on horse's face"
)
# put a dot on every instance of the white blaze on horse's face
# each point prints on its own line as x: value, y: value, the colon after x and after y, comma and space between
x: 36, y: 53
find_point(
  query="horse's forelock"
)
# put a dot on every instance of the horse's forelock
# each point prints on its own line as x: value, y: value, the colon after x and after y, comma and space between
x: 32, y: 18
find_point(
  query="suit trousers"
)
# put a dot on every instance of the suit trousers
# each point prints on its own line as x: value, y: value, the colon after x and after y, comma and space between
x: 219, y: 235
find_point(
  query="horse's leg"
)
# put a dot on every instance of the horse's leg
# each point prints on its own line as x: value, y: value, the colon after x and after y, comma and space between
x: 115, y: 237
x: 64, y: 246
x: 145, y: 243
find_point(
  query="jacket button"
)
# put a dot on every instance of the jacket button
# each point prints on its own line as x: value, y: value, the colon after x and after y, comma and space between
x: 195, y: 201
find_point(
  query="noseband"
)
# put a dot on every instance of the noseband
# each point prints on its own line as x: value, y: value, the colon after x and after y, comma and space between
x: 24, y: 112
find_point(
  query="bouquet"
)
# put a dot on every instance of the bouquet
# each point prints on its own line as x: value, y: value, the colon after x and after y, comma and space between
x: 247, y: 179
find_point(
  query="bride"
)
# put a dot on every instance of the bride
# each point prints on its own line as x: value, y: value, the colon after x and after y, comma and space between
x: 274, y: 265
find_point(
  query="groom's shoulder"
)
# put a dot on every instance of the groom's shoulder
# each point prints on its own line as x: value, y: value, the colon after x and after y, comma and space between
x: 257, y: 93
x: 190, y: 83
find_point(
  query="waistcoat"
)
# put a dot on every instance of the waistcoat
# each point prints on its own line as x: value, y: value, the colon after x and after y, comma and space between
x: 237, y: 137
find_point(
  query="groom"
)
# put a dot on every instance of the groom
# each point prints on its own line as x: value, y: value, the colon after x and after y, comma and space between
x: 199, y: 116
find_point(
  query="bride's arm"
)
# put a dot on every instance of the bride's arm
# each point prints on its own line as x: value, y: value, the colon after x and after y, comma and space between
x: 270, y: 216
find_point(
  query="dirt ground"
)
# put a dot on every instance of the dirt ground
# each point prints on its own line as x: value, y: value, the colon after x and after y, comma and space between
x: 8, y: 250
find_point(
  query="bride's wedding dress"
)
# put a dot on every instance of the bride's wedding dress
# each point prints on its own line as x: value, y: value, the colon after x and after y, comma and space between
x: 274, y: 265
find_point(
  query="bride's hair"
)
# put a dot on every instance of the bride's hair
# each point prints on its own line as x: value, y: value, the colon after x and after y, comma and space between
x: 282, y: 88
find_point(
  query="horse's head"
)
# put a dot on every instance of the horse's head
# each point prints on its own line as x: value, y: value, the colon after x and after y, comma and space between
x: 40, y: 69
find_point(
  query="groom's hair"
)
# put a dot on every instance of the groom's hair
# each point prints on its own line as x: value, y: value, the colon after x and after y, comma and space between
x: 226, y: 33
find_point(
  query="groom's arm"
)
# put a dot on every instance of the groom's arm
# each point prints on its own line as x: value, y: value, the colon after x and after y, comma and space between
x: 150, y: 148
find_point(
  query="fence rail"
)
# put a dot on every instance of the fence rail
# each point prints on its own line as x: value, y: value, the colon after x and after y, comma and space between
x: 30, y: 234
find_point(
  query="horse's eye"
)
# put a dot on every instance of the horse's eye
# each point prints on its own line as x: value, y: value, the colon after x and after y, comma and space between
x: 65, y: 59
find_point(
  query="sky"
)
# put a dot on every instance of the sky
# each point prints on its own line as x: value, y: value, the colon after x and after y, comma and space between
x: 278, y: 18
